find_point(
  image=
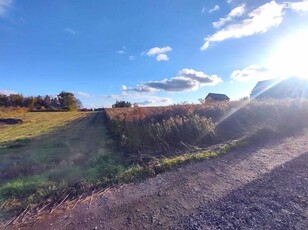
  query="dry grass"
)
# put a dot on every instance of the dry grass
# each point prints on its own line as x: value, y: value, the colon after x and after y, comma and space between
x: 160, y: 130
x: 35, y: 124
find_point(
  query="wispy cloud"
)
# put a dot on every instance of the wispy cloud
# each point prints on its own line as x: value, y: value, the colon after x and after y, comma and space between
x: 122, y: 50
x: 300, y: 7
x: 186, y: 79
x: 132, y: 58
x: 7, y: 92
x: 71, y: 31
x: 215, y: 8
x: 260, y: 20
x: 139, y: 98
x: 236, y: 12
x: 155, y: 102
x: 159, y: 53
x: 252, y: 72
x: 5, y: 6
x: 140, y: 88
x: 82, y: 94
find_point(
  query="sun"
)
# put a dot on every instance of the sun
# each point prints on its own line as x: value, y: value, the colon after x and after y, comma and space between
x: 290, y: 56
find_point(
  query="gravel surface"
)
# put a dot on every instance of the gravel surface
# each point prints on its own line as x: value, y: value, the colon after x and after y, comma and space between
x: 279, y: 200
x: 263, y: 187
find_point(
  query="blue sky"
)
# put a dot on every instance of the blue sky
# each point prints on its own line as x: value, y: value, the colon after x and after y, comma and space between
x: 149, y: 52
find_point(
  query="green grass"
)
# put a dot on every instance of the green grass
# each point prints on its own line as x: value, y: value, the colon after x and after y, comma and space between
x: 35, y: 124
x: 46, y: 154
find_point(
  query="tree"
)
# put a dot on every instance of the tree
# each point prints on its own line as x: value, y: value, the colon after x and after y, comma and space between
x: 78, y: 104
x: 30, y: 102
x: 4, y: 100
x: 122, y: 104
x: 68, y: 101
x: 55, y: 104
x: 47, y: 101
x: 16, y: 100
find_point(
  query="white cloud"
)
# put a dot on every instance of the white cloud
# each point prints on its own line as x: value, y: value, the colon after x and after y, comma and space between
x: 121, y: 52
x: 139, y: 98
x: 186, y: 79
x: 300, y: 7
x: 131, y: 58
x: 236, y: 12
x: 156, y: 102
x: 140, y: 88
x: 200, y: 77
x: 203, y: 10
x: 252, y: 72
x: 156, y: 50
x: 71, y: 31
x: 7, y: 92
x: 215, y: 8
x: 5, y: 5
x: 159, y: 53
x: 229, y: 1
x: 260, y: 20
x: 82, y: 94
x: 162, y: 57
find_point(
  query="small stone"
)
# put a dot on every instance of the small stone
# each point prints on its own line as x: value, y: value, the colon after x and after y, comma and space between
x: 129, y: 219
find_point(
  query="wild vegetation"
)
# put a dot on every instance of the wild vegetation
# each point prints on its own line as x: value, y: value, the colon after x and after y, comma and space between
x: 165, y: 130
x: 51, y: 157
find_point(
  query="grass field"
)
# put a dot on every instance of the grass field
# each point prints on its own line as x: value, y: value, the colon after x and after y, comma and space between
x: 51, y: 155
x: 46, y: 153
x: 35, y: 124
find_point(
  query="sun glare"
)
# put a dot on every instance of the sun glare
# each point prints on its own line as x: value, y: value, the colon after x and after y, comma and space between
x: 290, y: 57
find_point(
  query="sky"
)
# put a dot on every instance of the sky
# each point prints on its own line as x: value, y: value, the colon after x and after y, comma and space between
x: 151, y: 52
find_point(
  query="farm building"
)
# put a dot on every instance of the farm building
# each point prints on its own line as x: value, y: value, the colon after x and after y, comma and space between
x: 281, y: 89
x: 217, y: 97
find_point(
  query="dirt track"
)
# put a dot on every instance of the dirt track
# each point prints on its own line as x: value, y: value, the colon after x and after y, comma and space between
x: 261, y: 187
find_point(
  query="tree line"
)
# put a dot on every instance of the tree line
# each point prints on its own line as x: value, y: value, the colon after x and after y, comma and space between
x: 63, y: 101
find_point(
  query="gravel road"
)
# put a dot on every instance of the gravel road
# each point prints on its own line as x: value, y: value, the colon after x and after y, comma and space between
x: 260, y: 187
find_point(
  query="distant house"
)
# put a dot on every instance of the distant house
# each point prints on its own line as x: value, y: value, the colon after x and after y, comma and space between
x: 217, y: 97
x: 281, y: 89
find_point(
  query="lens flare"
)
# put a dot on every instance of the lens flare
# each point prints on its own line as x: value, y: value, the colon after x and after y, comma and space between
x: 290, y: 57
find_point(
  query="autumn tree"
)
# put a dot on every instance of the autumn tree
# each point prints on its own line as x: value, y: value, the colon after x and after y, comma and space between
x: 68, y: 101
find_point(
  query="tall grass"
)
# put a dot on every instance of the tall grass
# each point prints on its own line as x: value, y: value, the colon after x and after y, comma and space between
x: 163, y: 129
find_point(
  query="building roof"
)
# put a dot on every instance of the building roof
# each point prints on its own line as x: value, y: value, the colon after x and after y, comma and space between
x: 217, y: 96
x: 291, y: 87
